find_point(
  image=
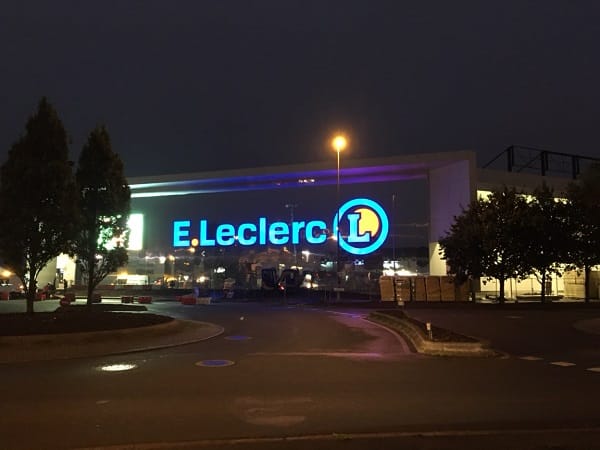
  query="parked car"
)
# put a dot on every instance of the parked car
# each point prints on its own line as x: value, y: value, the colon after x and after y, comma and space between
x: 10, y: 291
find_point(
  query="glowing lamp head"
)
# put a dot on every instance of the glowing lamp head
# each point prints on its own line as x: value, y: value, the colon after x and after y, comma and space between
x: 339, y: 143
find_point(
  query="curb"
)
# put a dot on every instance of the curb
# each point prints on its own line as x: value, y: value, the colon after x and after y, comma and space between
x: 101, y: 343
x: 434, y: 348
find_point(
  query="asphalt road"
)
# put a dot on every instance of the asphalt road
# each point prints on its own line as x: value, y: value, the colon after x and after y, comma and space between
x: 320, y: 377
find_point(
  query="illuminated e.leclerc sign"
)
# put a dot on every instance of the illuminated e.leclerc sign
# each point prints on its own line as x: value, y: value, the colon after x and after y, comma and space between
x: 366, y: 222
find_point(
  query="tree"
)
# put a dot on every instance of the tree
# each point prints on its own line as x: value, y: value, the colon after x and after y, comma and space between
x: 37, y: 198
x: 104, y: 204
x: 462, y: 247
x: 486, y: 239
x: 545, y: 243
x: 583, y: 222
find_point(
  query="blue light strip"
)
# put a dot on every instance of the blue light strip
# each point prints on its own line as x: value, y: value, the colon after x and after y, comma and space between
x: 257, y: 183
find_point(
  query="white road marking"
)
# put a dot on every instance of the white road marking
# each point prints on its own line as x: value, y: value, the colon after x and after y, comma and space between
x: 562, y: 363
x: 351, y: 355
x: 531, y: 358
x: 594, y: 369
x: 279, y: 412
x: 314, y: 439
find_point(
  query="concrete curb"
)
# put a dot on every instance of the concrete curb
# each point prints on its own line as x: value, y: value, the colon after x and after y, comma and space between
x: 78, y: 345
x: 425, y: 346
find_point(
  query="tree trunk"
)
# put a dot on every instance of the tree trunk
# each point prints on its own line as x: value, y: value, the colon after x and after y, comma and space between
x: 587, y: 294
x: 501, y: 294
x: 31, y: 291
x: 90, y: 281
x: 543, y: 296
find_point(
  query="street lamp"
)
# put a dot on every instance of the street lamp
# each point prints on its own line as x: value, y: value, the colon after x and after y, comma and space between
x: 291, y: 207
x: 339, y: 143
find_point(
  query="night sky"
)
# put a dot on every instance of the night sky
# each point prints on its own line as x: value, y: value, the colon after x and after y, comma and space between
x: 187, y: 86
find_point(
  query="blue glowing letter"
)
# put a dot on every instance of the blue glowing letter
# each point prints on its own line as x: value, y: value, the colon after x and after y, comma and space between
x: 204, y: 241
x: 279, y: 233
x: 242, y: 239
x: 318, y: 237
x: 225, y: 234
x: 262, y: 230
x: 179, y: 232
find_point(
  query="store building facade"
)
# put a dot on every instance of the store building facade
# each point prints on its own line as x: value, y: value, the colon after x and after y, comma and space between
x: 393, y: 211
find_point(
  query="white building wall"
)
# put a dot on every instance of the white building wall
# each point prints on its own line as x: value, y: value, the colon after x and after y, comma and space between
x: 451, y: 188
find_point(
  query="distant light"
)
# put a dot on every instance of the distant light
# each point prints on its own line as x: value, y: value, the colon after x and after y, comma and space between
x: 306, y: 180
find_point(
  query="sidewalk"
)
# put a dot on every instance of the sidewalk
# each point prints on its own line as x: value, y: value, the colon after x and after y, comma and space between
x: 77, y: 345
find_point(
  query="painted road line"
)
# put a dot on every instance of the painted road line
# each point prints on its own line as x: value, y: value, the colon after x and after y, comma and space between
x: 314, y: 440
x: 562, y: 363
x: 594, y: 369
x: 531, y: 358
x: 350, y: 355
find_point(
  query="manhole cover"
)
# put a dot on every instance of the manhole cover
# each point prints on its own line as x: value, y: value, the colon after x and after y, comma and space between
x: 237, y: 338
x: 215, y: 363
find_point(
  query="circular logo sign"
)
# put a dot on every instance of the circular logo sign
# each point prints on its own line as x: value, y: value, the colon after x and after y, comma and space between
x: 366, y: 223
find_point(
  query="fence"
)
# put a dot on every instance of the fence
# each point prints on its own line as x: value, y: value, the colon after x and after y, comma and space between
x: 422, y: 289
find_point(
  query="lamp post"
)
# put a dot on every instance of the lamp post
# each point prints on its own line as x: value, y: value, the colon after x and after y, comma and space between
x: 338, y: 143
x: 291, y: 207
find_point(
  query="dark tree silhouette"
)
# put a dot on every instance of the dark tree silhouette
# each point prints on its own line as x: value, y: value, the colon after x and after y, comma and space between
x: 545, y: 240
x: 486, y: 239
x: 584, y: 222
x: 104, y: 204
x: 38, y: 198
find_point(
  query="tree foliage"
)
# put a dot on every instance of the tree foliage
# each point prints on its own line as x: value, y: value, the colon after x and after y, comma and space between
x: 506, y: 236
x: 484, y: 239
x: 37, y: 198
x: 462, y: 246
x: 583, y: 221
x: 104, y: 204
x: 544, y: 236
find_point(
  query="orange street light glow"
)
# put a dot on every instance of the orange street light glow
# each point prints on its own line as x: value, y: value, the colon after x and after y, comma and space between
x: 339, y: 143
